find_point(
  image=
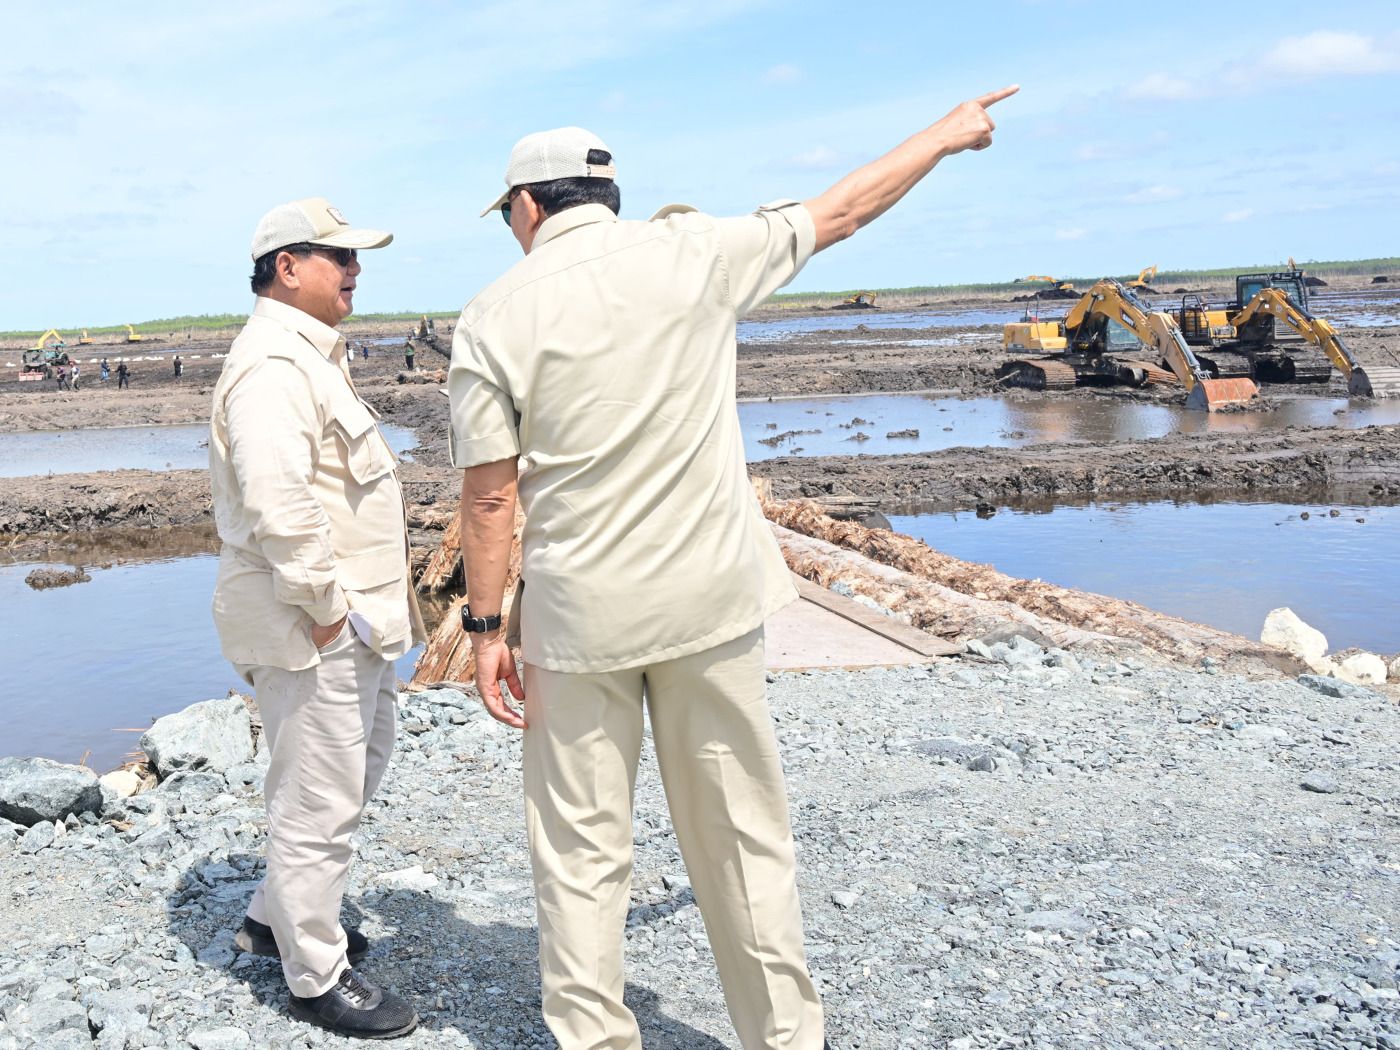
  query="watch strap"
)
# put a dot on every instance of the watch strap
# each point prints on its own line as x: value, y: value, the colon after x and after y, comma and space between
x: 479, y: 624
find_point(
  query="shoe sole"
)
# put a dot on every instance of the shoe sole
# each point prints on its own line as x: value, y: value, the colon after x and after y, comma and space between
x: 243, y: 942
x: 310, y: 1017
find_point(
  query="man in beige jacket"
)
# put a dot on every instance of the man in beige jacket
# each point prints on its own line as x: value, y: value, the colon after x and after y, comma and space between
x: 596, y: 379
x: 313, y: 602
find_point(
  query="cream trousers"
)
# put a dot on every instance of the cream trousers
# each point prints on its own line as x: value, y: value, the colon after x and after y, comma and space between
x: 724, y: 785
x: 331, y: 731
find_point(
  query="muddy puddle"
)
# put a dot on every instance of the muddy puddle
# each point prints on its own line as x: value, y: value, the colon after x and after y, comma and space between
x: 84, y: 662
x: 884, y: 423
x: 128, y: 448
x: 1226, y: 564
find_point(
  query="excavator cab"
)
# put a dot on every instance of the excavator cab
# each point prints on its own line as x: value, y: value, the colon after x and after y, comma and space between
x: 1289, y: 282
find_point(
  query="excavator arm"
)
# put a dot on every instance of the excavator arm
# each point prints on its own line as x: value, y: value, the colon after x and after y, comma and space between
x: 1361, y: 381
x: 1110, y: 299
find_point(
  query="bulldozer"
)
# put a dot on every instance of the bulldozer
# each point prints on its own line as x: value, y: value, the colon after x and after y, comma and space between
x: 1097, y: 344
x: 1244, y: 337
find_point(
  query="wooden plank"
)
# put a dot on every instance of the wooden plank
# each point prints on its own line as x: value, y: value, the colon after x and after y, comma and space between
x: 902, y: 634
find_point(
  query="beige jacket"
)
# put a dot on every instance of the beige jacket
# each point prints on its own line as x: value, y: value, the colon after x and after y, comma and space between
x: 305, y: 498
x: 606, y: 359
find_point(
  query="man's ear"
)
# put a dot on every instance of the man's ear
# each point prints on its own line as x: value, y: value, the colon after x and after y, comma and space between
x: 286, y: 268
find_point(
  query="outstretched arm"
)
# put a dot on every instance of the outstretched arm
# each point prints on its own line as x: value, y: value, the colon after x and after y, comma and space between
x: 867, y: 193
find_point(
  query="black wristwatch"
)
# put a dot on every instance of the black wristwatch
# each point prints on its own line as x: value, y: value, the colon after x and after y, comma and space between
x: 478, y: 624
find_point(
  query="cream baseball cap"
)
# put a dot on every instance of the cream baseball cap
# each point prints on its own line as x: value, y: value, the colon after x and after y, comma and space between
x: 312, y: 220
x: 548, y: 155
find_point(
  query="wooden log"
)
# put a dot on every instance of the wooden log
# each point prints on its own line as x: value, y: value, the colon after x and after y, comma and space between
x: 964, y: 595
x: 444, y: 564
x: 448, y: 654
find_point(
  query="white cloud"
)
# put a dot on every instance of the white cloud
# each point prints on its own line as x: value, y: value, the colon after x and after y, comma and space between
x: 784, y: 73
x: 1154, y: 195
x: 1073, y: 233
x: 1163, y: 88
x: 1238, y: 215
x: 1327, y: 52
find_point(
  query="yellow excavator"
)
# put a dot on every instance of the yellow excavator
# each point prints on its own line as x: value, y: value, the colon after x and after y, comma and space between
x: 1144, y: 278
x: 1088, y: 347
x: 860, y: 299
x: 133, y: 336
x: 1054, y: 282
x: 1244, y: 338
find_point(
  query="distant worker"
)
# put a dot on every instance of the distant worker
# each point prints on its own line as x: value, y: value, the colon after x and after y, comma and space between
x: 604, y: 361
x: 313, y: 602
x: 106, y: 370
x: 364, y: 351
x: 76, y: 370
x: 408, y: 355
x: 179, y: 367
x: 122, y: 373
x: 61, y: 376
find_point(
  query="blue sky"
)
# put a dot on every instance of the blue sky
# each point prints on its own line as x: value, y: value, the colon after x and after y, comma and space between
x: 141, y: 142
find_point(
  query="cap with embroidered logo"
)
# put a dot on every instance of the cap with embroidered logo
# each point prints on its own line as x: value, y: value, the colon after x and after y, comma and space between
x: 312, y: 220
x: 548, y: 155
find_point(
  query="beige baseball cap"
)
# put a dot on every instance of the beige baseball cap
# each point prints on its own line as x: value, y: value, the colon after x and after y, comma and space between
x: 548, y: 155
x: 312, y: 220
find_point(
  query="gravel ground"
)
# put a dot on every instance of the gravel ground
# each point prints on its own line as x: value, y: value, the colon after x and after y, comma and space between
x: 1110, y: 855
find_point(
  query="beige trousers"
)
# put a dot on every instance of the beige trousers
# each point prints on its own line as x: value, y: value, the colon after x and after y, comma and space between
x: 724, y: 785
x: 331, y: 731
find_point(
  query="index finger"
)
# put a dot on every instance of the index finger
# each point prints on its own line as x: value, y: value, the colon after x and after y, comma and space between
x: 996, y: 96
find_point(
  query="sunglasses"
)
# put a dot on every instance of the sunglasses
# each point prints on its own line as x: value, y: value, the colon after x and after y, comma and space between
x: 505, y: 208
x: 343, y: 256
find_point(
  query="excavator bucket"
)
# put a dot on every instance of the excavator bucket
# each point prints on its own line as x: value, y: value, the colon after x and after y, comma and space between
x: 1208, y: 395
x: 1379, y: 381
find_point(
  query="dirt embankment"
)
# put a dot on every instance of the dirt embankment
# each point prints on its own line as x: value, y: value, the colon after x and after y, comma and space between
x: 1366, y: 461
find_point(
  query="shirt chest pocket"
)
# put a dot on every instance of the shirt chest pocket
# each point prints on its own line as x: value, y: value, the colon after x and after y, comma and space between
x: 357, y: 440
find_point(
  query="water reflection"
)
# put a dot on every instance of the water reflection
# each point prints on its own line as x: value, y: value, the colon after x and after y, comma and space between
x: 134, y: 643
x: 829, y: 426
x: 129, y: 448
x: 1224, y: 563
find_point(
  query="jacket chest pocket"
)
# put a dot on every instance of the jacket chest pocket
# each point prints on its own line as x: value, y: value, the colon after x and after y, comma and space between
x: 357, y: 439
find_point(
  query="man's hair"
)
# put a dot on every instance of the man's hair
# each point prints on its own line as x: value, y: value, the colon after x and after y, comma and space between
x: 558, y: 194
x: 265, y: 266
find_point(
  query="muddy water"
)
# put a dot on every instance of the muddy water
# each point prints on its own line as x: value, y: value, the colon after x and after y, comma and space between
x: 848, y: 320
x: 135, y: 643
x: 989, y: 422
x: 128, y: 448
x: 1225, y: 564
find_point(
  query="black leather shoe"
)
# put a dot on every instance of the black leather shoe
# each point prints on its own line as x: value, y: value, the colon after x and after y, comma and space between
x: 256, y: 939
x: 356, y: 1007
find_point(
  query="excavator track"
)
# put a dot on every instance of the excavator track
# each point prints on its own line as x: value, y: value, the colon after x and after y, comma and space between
x: 1226, y: 364
x: 1037, y: 374
x: 1160, y: 376
x: 1380, y: 381
x: 1283, y: 367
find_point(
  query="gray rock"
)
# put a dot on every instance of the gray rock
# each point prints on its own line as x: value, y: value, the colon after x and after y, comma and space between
x: 214, y: 735
x: 1335, y: 687
x: 845, y: 898
x: 1188, y: 715
x: 1266, y: 735
x: 40, y: 836
x: 221, y: 1039
x: 1057, y: 921
x: 39, y: 789
x: 1010, y: 631
x: 1321, y: 783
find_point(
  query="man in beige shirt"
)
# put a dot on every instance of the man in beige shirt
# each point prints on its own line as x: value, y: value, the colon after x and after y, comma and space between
x: 313, y: 602
x: 597, y: 377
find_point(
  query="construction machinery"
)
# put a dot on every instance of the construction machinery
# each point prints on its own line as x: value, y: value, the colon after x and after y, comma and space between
x: 1058, y: 285
x: 1244, y: 337
x: 1144, y: 278
x: 133, y: 336
x: 1093, y: 344
x: 85, y: 339
x: 42, y: 343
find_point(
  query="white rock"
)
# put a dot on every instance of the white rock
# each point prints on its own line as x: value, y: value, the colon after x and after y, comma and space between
x: 1284, y: 630
x: 121, y: 782
x: 1322, y: 665
x: 1362, y: 669
x: 1394, y: 669
x: 414, y: 878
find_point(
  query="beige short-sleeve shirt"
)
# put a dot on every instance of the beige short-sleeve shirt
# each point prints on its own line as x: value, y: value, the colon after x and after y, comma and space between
x: 605, y: 359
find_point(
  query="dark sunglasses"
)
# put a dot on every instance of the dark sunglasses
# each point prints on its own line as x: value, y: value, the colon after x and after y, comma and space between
x: 505, y: 208
x: 343, y: 256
